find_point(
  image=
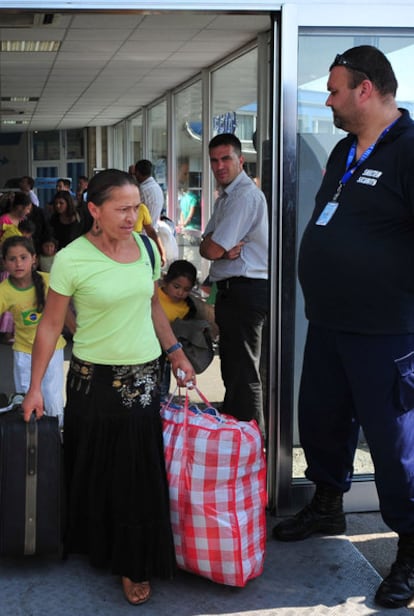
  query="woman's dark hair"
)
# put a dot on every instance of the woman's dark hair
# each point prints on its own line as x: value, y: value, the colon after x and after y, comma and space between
x: 39, y: 285
x: 71, y: 208
x: 102, y: 183
x: 27, y: 226
x: 181, y: 267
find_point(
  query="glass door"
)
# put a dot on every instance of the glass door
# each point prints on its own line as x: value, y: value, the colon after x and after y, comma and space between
x: 316, y: 136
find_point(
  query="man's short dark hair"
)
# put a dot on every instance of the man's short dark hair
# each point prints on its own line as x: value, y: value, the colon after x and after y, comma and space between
x: 29, y: 180
x: 368, y: 61
x: 65, y: 181
x: 144, y: 167
x: 226, y: 139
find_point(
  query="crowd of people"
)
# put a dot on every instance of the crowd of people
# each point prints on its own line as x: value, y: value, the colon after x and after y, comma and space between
x: 79, y: 266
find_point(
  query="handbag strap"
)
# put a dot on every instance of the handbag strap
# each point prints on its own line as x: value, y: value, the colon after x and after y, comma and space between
x: 148, y: 246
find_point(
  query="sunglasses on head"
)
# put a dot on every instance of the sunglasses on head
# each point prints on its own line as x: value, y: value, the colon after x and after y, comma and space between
x: 340, y: 60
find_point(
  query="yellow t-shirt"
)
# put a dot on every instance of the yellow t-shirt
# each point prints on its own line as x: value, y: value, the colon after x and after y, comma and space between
x: 22, y: 304
x: 9, y: 231
x: 173, y: 310
x: 144, y: 218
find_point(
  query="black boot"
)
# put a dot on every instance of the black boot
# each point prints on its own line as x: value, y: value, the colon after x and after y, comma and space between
x: 397, y: 590
x: 324, y: 514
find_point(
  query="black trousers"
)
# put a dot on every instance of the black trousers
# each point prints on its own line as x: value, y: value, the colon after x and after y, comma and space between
x: 352, y: 380
x: 240, y: 311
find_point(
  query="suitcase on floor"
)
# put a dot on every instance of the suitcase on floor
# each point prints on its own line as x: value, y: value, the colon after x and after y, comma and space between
x: 30, y: 485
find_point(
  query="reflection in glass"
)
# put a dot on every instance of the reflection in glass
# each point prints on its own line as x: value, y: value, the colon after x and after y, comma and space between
x: 157, y: 123
x: 135, y: 145
x: 234, y: 104
x: 188, y: 203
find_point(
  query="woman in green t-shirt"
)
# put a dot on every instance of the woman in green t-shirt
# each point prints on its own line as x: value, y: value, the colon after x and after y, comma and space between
x: 114, y: 460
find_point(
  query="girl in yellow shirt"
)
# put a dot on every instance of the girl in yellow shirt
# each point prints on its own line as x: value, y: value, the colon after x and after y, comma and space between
x: 174, y: 296
x: 23, y: 293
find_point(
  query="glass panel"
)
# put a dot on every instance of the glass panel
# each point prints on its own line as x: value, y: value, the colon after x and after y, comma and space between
x: 75, y: 143
x: 187, y: 211
x: 45, y: 184
x: 234, y: 110
x: 157, y: 124
x: 74, y: 170
x: 119, y: 146
x: 234, y: 104
x: 46, y: 145
x: 135, y: 145
x: 316, y: 137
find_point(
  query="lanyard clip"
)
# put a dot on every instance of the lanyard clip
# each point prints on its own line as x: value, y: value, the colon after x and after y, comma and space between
x: 338, y: 192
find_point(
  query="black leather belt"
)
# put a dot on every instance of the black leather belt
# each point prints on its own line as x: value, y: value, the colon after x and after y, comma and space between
x: 237, y: 280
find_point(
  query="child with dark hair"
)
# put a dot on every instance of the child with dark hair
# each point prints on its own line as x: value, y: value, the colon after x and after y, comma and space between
x: 174, y: 296
x: 18, y: 206
x: 23, y: 293
x: 47, y: 255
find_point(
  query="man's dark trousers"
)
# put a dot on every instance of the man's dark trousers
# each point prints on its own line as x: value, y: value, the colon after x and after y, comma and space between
x: 240, y: 311
x: 351, y: 380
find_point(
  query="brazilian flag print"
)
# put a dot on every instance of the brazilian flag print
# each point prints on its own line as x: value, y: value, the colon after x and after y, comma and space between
x: 31, y: 317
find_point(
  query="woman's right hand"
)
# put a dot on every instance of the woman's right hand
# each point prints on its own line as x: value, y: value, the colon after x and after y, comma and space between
x: 33, y: 401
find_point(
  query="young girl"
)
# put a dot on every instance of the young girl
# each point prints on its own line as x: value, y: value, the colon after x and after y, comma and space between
x: 23, y: 293
x: 174, y: 297
x: 17, y: 207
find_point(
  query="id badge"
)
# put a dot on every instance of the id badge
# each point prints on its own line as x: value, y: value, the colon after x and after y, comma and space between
x: 327, y: 213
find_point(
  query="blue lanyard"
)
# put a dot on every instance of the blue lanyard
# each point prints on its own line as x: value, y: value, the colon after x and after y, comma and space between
x: 351, y: 155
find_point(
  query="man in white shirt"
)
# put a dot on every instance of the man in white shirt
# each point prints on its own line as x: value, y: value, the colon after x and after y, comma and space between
x: 150, y: 191
x: 26, y: 185
x: 235, y: 240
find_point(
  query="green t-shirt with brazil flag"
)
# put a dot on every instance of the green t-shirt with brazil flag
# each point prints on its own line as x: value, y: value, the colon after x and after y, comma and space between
x: 22, y: 304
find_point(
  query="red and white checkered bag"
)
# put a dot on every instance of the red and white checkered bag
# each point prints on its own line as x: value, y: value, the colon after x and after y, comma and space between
x: 217, y: 481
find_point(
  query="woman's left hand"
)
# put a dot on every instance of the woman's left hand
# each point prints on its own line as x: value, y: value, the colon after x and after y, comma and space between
x: 182, y: 369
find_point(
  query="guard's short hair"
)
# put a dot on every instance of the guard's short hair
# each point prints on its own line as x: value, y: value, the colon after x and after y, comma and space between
x: 368, y: 61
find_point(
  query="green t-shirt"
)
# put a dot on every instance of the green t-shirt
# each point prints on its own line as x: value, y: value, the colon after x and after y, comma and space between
x: 112, y: 302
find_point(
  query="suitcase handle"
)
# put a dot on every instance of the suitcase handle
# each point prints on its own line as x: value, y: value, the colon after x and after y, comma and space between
x: 32, y: 445
x: 32, y: 423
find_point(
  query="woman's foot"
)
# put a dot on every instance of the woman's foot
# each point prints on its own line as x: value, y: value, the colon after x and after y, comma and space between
x: 136, y: 592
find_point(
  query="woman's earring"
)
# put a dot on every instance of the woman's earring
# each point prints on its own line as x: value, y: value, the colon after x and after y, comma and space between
x: 96, y: 230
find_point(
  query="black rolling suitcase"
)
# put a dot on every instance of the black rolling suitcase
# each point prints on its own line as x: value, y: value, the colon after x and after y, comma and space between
x: 30, y: 485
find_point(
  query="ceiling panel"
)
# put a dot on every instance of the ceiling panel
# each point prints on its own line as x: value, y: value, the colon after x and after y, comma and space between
x: 110, y: 64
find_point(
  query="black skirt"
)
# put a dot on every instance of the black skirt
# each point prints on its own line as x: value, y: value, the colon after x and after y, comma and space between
x: 118, y: 509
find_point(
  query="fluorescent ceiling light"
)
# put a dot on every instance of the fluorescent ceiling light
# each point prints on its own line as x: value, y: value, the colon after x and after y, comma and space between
x: 15, y: 122
x: 30, y: 46
x: 19, y: 99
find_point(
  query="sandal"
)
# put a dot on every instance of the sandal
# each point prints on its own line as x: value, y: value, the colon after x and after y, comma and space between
x: 136, y: 592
